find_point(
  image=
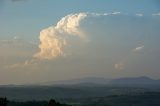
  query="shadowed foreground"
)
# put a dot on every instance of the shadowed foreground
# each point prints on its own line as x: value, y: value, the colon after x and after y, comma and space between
x: 140, y: 99
x: 52, y: 102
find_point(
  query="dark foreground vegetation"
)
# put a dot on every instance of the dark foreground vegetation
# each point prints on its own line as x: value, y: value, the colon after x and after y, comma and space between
x: 52, y: 102
x: 139, y: 99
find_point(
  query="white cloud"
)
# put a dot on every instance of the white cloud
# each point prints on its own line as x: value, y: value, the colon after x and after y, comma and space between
x: 121, y: 65
x: 70, y: 23
x: 53, y: 40
x: 138, y: 48
x: 115, y: 13
x: 139, y: 14
x: 15, y: 38
x: 103, y: 14
x: 156, y: 14
x: 18, y: 0
x: 16, y: 41
x: 31, y: 62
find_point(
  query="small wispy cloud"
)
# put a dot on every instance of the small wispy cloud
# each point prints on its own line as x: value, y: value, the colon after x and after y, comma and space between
x: 139, y: 14
x: 137, y: 49
x: 17, y: 41
x: 119, y: 66
x: 18, y: 0
x: 115, y: 13
x: 10, y: 40
x: 156, y: 14
x: 27, y: 63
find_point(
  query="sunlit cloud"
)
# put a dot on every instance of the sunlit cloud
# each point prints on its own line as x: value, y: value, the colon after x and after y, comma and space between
x: 137, y: 49
x: 54, y: 39
x: 103, y: 14
x: 119, y: 66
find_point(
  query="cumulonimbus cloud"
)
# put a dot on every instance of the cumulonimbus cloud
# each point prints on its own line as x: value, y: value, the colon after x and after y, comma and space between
x: 54, y: 39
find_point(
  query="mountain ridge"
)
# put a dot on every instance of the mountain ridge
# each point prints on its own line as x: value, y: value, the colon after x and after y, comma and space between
x: 105, y: 81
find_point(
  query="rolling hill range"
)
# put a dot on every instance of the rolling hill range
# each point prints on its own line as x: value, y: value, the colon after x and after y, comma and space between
x: 143, y: 80
x: 80, y: 88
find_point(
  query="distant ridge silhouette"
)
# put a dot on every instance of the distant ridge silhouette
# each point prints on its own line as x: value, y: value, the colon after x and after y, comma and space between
x: 104, y: 81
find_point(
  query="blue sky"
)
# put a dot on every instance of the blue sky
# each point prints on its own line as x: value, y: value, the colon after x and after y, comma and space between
x: 34, y: 15
x: 111, y: 38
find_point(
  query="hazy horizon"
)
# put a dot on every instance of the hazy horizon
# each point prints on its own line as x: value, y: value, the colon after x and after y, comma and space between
x: 53, y: 40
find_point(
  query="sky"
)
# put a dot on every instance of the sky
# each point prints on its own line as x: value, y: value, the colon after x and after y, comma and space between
x: 50, y: 40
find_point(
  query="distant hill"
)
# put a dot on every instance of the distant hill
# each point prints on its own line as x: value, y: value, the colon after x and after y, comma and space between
x: 80, y: 88
x: 134, y: 81
x: 104, y: 81
x: 81, y: 81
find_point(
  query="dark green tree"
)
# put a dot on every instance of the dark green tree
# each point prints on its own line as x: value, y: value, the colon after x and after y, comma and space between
x: 3, y: 101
